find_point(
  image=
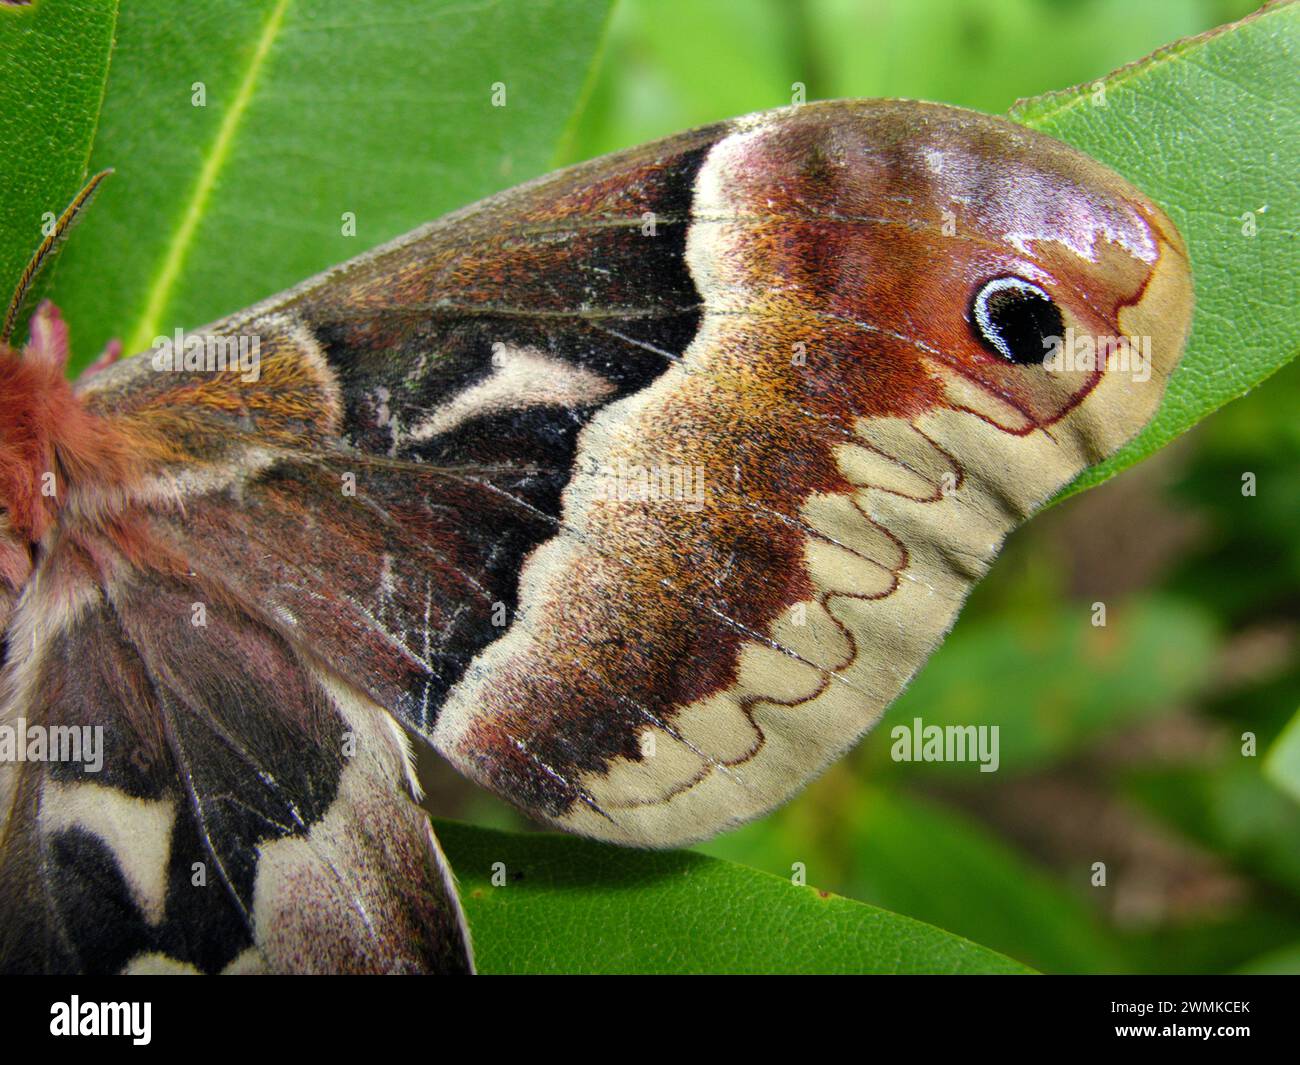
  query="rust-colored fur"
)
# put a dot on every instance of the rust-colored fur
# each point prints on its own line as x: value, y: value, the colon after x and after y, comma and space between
x: 45, y: 430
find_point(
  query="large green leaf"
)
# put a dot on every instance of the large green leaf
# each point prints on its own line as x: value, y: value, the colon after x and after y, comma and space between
x: 54, y: 58
x: 1210, y: 129
x: 568, y: 905
x: 312, y: 109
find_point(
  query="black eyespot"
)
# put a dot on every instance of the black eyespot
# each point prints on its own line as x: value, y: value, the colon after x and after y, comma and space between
x: 1015, y: 319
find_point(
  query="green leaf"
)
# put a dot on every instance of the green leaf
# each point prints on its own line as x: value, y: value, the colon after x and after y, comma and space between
x: 1282, y: 764
x: 55, y: 61
x: 310, y: 110
x: 570, y: 905
x: 1209, y: 128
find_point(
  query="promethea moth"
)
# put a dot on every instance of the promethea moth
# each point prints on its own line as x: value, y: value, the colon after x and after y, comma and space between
x: 638, y: 491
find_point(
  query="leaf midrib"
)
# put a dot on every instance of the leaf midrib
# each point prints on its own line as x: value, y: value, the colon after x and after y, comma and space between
x: 159, y: 293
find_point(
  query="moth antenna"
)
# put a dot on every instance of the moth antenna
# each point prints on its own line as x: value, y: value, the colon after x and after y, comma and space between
x: 34, y: 264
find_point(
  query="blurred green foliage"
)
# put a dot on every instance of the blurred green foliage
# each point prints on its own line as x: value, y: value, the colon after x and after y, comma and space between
x: 672, y: 64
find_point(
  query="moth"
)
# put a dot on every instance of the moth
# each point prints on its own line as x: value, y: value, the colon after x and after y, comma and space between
x: 638, y: 492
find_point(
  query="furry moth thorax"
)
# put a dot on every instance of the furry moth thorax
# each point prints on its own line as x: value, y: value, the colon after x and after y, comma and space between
x: 50, y: 445
x: 63, y: 468
x: 44, y: 430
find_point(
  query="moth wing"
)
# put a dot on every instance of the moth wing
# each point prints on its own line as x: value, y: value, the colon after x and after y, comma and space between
x: 550, y: 481
x: 208, y: 799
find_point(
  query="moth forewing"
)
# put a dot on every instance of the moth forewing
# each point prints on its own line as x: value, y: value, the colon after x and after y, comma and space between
x: 639, y: 491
